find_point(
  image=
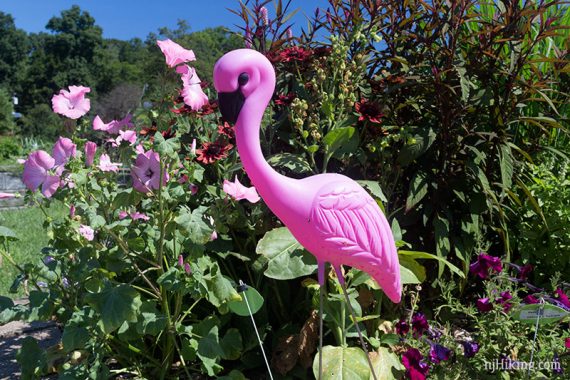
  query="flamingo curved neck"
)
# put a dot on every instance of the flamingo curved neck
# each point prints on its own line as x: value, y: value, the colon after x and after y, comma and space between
x: 274, y: 188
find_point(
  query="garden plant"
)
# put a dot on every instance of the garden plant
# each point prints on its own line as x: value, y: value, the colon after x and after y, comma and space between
x: 453, y: 115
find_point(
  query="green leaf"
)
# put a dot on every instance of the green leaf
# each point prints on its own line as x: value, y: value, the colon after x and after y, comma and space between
x: 418, y: 190
x: 231, y: 344
x: 168, y: 148
x: 421, y: 144
x: 209, y: 349
x: 32, y: 359
x: 7, y: 234
x: 374, y: 188
x: 442, y: 242
x: 5, y: 303
x: 151, y: 321
x: 194, y: 224
x: 336, y: 138
x: 74, y: 337
x: 254, y: 299
x: 342, y: 363
x: 286, y: 257
x: 506, y: 164
x: 116, y: 304
x: 293, y: 162
x: 233, y: 375
x: 386, y: 364
x: 425, y: 255
x: 411, y: 272
x: 220, y: 289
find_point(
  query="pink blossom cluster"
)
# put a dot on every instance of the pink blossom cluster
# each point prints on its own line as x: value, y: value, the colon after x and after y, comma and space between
x: 177, y: 56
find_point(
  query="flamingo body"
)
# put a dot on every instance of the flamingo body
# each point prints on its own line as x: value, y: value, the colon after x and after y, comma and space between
x: 331, y: 215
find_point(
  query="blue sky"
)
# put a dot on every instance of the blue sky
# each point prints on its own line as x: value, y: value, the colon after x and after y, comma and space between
x: 125, y: 19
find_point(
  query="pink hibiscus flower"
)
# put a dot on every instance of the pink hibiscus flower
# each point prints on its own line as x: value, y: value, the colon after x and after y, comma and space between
x: 192, y: 92
x: 63, y: 150
x: 128, y: 136
x: 90, y: 149
x: 105, y: 164
x: 146, y: 172
x: 238, y: 191
x: 114, y: 126
x: 7, y: 195
x: 37, y: 173
x: 87, y: 232
x: 174, y: 53
x: 73, y: 103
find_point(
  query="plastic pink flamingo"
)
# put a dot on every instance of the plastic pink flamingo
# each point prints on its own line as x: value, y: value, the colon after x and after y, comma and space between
x: 331, y: 215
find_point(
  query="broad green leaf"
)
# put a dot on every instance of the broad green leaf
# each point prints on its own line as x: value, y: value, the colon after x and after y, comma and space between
x: 293, y: 162
x: 168, y: 148
x: 151, y: 321
x: 386, y: 364
x: 231, y: 344
x: 116, y: 304
x: 220, y: 289
x: 74, y: 337
x: 5, y: 303
x: 209, y: 350
x: 374, y: 188
x: 342, y: 363
x: 254, y: 299
x: 418, y: 271
x: 286, y: 257
x: 506, y: 164
x: 32, y: 359
x: 418, y: 190
x: 194, y: 224
x: 336, y: 138
x: 8, y: 234
x: 233, y: 375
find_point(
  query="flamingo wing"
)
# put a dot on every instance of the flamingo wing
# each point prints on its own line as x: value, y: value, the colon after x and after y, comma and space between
x: 354, y: 231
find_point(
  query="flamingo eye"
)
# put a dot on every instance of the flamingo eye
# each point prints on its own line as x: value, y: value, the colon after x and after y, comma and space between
x: 243, y: 79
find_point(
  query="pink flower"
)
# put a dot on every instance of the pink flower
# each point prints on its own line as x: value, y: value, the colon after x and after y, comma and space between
x: 7, y: 195
x: 139, y: 215
x: 72, y: 211
x: 114, y: 126
x: 214, y: 235
x: 37, y: 172
x: 139, y: 149
x: 193, y: 189
x: 264, y: 15
x: 146, y: 172
x: 181, y: 260
x: 87, y: 232
x: 21, y: 161
x: 193, y: 147
x: 484, y: 263
x: 192, y: 92
x: 63, y: 150
x: 567, y: 343
x: 123, y: 214
x: 238, y: 191
x: 90, y: 149
x: 484, y: 305
x: 174, y: 53
x: 128, y: 136
x: 72, y: 103
x: 105, y: 164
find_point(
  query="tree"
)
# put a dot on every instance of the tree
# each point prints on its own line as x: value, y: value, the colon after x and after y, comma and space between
x: 14, y: 49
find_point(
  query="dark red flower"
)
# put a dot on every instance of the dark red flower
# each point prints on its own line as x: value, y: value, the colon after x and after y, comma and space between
x: 567, y: 343
x: 484, y: 305
x: 226, y: 130
x: 294, y: 54
x: 562, y: 297
x: 213, y: 151
x: 419, y: 324
x: 484, y: 263
x: 522, y: 271
x: 402, y: 327
x: 416, y: 368
x: 284, y: 100
x: 438, y: 353
x: 368, y: 111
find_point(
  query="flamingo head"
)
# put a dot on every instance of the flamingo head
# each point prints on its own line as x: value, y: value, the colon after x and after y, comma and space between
x: 239, y: 75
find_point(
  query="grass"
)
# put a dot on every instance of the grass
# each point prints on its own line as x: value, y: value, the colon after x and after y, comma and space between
x: 27, y: 224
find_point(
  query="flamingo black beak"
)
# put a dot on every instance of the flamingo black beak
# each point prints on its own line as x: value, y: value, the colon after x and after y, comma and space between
x: 230, y: 104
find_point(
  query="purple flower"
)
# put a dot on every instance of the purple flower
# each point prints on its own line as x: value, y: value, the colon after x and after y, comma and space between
x: 530, y: 299
x: 556, y: 367
x: 484, y: 263
x: 187, y: 268
x: 504, y: 301
x: 264, y: 15
x: 434, y: 333
x: 419, y: 324
x: 438, y: 353
x: 562, y: 297
x: 48, y: 259
x: 146, y: 172
x: 470, y: 348
x: 42, y: 284
x: 416, y: 367
x: 181, y: 260
x: 402, y: 327
x: 484, y: 305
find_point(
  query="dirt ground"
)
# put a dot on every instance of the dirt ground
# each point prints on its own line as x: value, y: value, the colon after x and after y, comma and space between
x: 11, y: 336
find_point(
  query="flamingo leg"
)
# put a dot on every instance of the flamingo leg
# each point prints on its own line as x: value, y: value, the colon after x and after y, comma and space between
x: 343, y: 286
x: 321, y: 277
